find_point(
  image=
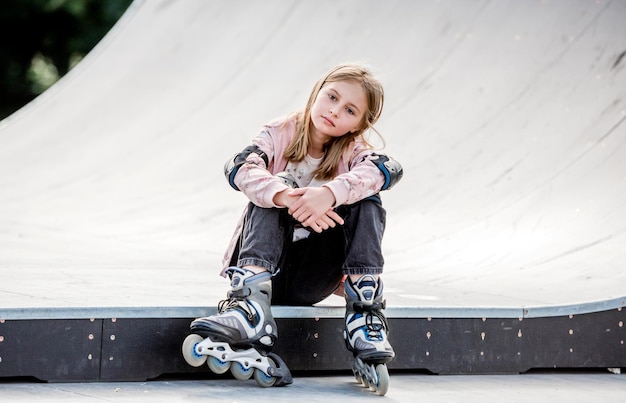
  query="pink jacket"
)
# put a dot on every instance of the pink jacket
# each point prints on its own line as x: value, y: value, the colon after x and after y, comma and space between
x: 356, y: 178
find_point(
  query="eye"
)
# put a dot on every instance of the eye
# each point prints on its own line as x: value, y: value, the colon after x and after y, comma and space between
x: 350, y: 111
x: 332, y: 97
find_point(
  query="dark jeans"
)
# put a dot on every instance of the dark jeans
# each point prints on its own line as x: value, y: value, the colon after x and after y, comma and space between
x: 309, y: 270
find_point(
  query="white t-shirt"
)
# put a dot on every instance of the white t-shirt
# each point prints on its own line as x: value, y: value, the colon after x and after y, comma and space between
x: 302, y: 172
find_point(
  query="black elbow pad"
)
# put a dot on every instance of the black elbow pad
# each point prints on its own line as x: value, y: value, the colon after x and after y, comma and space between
x: 390, y: 168
x: 232, y: 165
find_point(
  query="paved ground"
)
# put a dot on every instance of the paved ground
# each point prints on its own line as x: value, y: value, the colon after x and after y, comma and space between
x: 573, y: 388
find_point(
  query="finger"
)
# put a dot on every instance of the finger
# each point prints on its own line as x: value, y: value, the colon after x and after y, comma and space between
x: 330, y: 222
x: 297, y: 195
x: 323, y: 223
x: 311, y: 224
x: 316, y: 227
x: 332, y: 214
x: 304, y: 219
x: 298, y: 212
x: 310, y: 220
x: 294, y: 207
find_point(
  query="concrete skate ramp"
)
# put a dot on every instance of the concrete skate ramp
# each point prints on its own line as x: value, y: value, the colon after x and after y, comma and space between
x: 508, y: 116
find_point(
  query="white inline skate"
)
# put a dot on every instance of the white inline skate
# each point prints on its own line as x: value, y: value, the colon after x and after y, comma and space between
x: 241, y: 336
x: 366, y: 333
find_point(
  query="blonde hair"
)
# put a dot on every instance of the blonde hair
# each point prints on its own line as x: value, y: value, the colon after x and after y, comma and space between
x: 374, y: 94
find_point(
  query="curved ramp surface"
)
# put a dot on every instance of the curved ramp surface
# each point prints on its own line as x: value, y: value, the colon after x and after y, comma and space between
x: 509, y: 119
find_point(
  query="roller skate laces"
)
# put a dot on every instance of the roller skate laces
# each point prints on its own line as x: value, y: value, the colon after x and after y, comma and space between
x: 366, y: 326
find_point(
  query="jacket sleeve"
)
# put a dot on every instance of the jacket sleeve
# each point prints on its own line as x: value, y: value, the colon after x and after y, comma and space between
x: 254, y: 178
x: 362, y: 180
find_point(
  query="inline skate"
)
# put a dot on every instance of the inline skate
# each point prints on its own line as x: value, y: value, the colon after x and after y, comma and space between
x: 366, y: 332
x: 241, y: 336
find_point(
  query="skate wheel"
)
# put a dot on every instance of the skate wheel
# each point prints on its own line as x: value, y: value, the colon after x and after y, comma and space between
x: 264, y: 380
x: 240, y: 372
x: 383, y: 379
x: 218, y: 366
x: 358, y: 378
x: 189, y: 351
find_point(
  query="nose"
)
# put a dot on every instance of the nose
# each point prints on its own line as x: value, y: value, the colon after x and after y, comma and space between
x: 332, y: 111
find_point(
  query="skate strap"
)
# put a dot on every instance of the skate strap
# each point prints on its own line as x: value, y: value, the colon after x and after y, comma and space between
x: 240, y: 293
x: 361, y: 307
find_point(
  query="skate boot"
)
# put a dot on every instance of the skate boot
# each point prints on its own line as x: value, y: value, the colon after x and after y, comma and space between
x: 366, y: 332
x: 241, y: 335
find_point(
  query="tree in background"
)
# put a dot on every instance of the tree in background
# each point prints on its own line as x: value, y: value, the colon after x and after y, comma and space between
x: 41, y: 40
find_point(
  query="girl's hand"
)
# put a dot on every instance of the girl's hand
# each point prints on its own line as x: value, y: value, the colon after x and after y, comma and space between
x: 285, y: 198
x: 326, y: 221
x: 313, y: 207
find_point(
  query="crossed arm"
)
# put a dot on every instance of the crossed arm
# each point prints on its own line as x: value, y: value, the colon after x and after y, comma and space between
x: 312, y: 206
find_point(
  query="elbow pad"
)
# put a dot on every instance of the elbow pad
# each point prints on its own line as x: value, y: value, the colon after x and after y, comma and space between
x: 232, y: 165
x: 390, y: 168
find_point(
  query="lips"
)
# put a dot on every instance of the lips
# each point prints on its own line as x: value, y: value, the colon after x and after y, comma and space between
x: 327, y: 120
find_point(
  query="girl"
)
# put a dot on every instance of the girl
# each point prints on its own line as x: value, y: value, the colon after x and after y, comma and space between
x: 314, y: 218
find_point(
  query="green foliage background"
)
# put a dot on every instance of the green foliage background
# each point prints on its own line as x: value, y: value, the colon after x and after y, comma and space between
x: 41, y: 40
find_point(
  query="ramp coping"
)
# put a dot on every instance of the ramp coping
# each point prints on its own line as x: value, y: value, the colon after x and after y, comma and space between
x: 42, y: 313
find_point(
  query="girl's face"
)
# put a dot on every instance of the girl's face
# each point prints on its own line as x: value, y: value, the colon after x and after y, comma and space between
x: 338, y: 109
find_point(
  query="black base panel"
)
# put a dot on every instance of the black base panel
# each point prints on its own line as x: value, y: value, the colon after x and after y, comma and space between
x: 139, y: 349
x: 52, y: 349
